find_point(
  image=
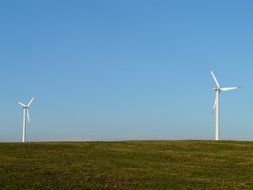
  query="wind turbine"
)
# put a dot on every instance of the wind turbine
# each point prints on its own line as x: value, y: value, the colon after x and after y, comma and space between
x: 26, y: 117
x: 216, y: 107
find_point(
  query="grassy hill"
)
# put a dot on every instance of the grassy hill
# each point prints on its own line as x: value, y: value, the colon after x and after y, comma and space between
x: 127, y: 165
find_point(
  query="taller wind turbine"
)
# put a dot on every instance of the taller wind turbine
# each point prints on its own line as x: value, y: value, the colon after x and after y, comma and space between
x: 26, y: 117
x: 216, y: 107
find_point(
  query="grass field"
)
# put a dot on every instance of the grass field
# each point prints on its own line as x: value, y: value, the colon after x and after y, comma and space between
x: 127, y: 165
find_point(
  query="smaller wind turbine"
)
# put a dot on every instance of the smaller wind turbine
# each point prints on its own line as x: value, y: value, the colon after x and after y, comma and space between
x: 26, y: 117
x: 218, y: 90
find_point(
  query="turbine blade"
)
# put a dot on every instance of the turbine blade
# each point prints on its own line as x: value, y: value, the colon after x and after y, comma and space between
x: 215, y: 79
x: 215, y: 103
x: 30, y: 102
x: 28, y: 116
x: 229, y: 89
x: 23, y: 105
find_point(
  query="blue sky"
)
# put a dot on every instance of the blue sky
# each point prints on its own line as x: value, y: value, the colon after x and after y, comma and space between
x: 117, y: 70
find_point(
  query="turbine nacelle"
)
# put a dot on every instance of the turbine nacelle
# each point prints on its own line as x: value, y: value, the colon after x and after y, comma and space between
x: 217, y: 89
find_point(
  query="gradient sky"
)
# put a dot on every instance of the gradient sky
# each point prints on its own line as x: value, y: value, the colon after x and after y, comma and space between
x: 117, y: 70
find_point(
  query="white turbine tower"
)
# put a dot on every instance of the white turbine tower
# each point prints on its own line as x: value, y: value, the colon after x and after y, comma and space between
x: 216, y: 107
x: 26, y: 117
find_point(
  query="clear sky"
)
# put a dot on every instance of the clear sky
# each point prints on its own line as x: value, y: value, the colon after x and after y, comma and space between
x: 117, y: 70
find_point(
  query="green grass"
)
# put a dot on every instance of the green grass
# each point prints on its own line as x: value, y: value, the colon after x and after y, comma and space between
x: 127, y: 165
